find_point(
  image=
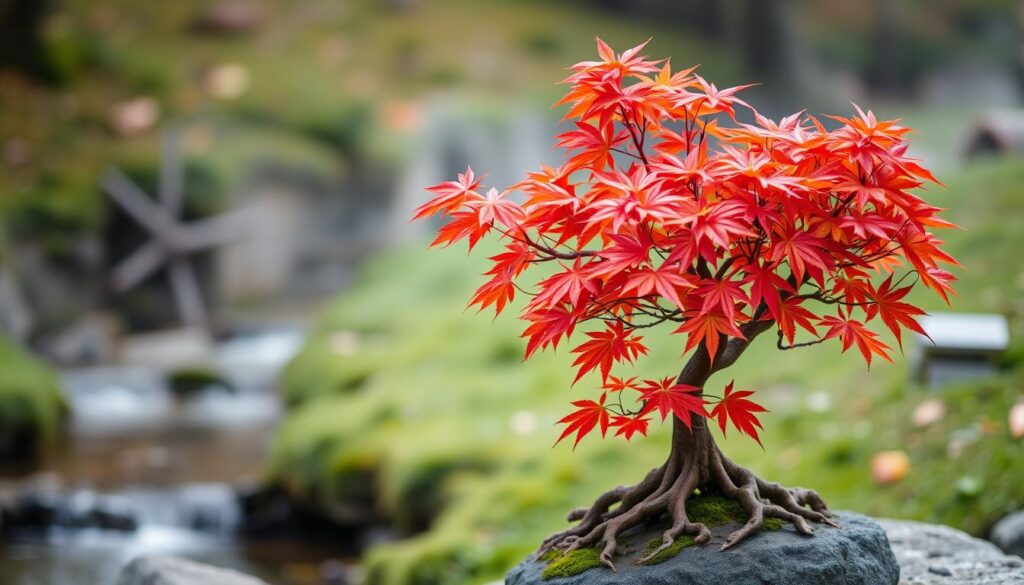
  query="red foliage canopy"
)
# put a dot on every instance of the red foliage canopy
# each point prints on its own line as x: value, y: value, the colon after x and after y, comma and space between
x: 668, y: 209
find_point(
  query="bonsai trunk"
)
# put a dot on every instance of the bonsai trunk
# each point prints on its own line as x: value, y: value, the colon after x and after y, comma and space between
x: 694, y: 462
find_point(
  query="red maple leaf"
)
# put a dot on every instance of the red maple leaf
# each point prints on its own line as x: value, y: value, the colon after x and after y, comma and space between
x: 627, y: 252
x: 616, y: 384
x: 630, y: 425
x: 708, y: 327
x: 605, y: 348
x: 667, y: 396
x: 735, y: 407
x: 767, y: 286
x: 790, y: 314
x: 665, y: 281
x: 721, y: 295
x: 805, y: 253
x: 494, y: 207
x: 588, y: 414
x: 547, y: 326
x: 888, y: 304
x: 568, y: 285
x: 450, y: 195
x: 464, y: 224
x: 851, y: 331
x: 594, y: 144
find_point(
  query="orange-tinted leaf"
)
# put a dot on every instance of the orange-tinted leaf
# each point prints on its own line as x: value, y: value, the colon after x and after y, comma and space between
x: 707, y: 327
x: 450, y: 195
x: 616, y: 384
x: 887, y: 303
x: 791, y: 314
x: 850, y: 332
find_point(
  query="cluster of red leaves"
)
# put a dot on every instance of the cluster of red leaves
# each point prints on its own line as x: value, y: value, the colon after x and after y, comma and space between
x: 668, y: 209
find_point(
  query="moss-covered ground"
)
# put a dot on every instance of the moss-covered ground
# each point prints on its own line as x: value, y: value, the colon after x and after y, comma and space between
x: 427, y: 413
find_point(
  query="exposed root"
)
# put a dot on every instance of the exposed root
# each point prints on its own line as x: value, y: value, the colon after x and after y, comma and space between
x: 665, y: 491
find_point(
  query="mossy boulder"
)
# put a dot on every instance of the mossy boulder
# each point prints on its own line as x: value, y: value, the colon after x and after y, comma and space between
x: 711, y: 510
x: 186, y: 381
x: 858, y: 553
x: 32, y: 407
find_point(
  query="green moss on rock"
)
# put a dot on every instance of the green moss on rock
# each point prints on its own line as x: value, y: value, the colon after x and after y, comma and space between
x: 670, y: 552
x: 573, y: 563
x: 550, y: 556
x: 714, y: 510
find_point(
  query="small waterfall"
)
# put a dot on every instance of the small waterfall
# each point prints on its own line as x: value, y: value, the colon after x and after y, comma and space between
x: 111, y: 400
x: 211, y: 509
x: 149, y: 470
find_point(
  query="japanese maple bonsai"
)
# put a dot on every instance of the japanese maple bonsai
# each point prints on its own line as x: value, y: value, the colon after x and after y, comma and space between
x: 670, y: 211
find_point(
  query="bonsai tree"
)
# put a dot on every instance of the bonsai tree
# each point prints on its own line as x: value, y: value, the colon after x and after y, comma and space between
x: 668, y: 211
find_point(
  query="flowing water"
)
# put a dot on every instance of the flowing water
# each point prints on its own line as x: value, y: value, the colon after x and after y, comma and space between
x: 145, y: 471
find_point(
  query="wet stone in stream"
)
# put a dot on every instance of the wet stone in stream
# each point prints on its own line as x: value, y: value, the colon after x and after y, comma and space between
x: 40, y: 511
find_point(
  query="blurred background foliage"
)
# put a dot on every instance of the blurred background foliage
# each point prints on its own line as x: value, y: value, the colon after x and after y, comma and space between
x: 402, y: 409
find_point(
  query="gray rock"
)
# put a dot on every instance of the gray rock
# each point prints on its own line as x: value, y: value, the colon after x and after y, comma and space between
x: 855, y: 554
x: 161, y: 570
x: 1008, y: 534
x: 938, y: 555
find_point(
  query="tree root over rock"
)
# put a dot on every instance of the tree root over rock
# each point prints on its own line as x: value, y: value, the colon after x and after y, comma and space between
x: 695, y: 463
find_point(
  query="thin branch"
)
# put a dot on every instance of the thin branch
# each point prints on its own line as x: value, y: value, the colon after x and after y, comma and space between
x: 783, y: 347
x: 638, y: 141
x: 626, y: 152
x: 553, y: 253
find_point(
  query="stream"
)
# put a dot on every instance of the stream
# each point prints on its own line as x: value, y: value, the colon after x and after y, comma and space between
x: 146, y: 471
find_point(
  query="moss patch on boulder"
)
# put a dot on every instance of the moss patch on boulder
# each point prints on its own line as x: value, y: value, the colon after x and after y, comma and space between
x: 714, y: 510
x: 573, y: 563
x: 670, y: 552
